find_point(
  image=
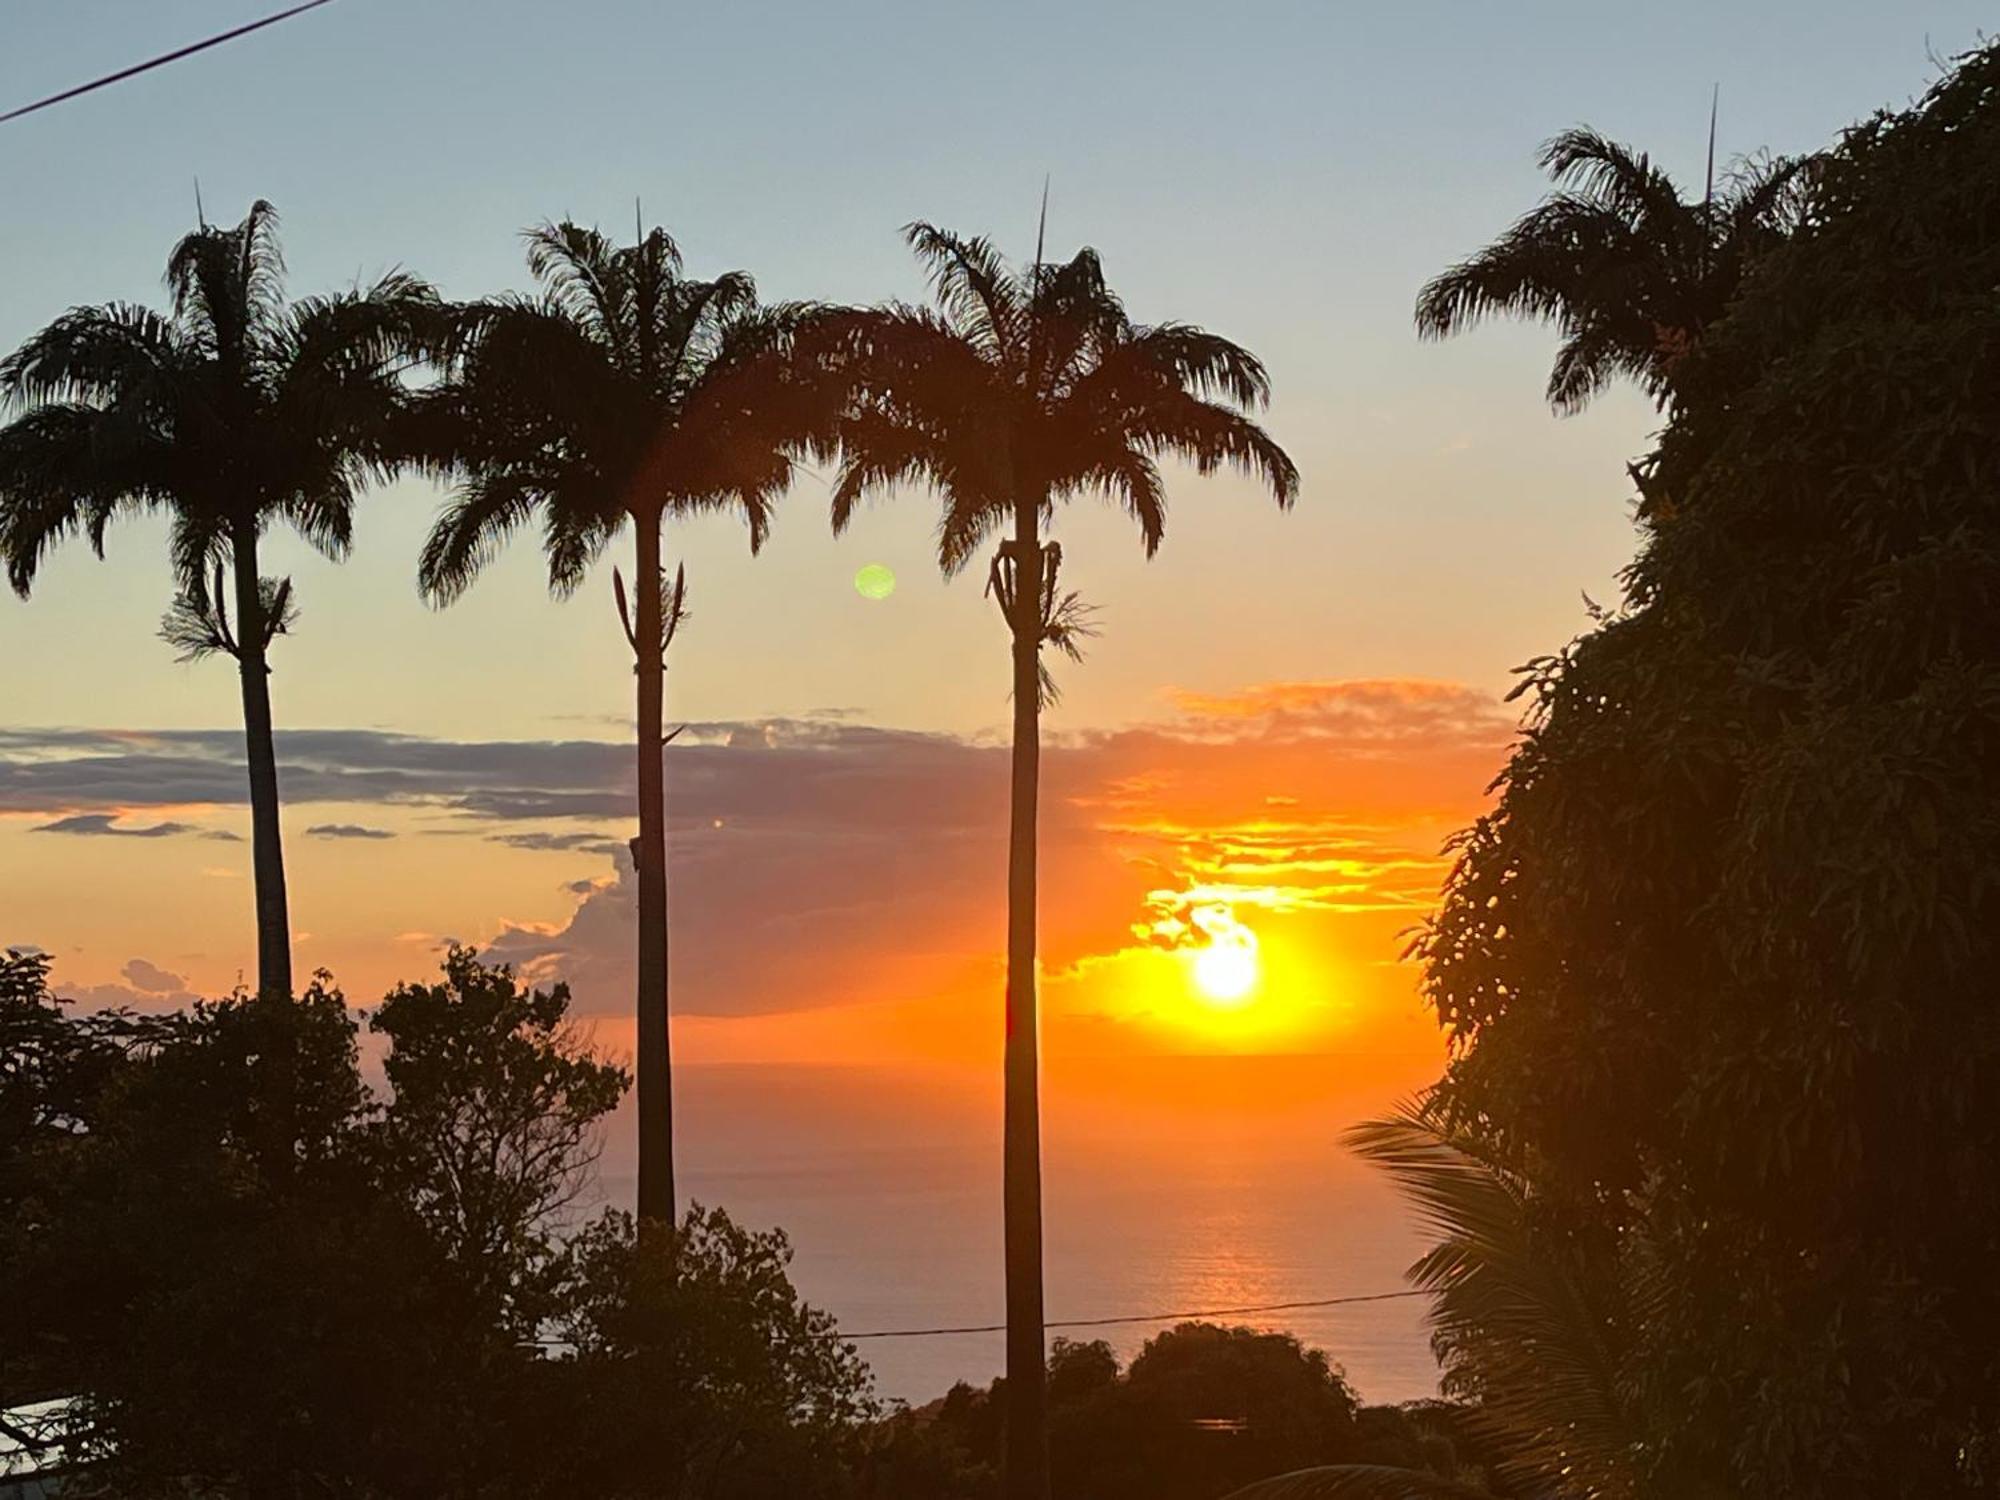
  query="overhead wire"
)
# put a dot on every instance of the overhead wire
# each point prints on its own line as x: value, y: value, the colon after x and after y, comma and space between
x: 162, y: 60
x: 1163, y: 1317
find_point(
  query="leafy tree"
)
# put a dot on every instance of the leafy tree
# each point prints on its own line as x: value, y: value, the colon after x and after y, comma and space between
x: 1280, y: 1402
x: 1202, y: 1409
x: 1021, y: 389
x: 1718, y: 965
x: 625, y: 392
x: 694, y: 1370
x: 497, y: 1099
x: 1079, y: 1370
x: 54, y: 1068
x: 189, y: 1267
x: 1631, y: 273
x: 235, y: 411
x: 389, y: 1308
x: 921, y: 1455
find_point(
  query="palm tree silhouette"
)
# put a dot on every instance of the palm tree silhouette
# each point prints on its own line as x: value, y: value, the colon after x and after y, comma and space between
x: 1534, y: 1327
x: 234, y: 411
x: 623, y: 392
x: 1629, y: 271
x: 1021, y: 388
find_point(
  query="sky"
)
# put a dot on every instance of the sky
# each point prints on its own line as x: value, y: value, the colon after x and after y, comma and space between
x: 1284, y: 716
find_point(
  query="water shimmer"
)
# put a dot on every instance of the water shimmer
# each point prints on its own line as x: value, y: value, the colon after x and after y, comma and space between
x: 1174, y: 1184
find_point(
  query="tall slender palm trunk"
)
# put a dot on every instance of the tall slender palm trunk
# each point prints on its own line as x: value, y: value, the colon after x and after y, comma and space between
x: 655, y: 1087
x: 1026, y: 1460
x: 267, y: 849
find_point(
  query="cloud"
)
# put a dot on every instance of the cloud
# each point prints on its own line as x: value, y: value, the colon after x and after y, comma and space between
x: 65, y: 771
x: 559, y: 843
x: 819, y: 862
x: 347, y: 831
x: 1359, y: 714
x: 107, y: 825
x: 151, y: 978
x: 146, y: 986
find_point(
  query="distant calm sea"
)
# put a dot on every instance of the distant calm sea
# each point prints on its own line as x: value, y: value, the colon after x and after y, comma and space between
x: 1184, y: 1184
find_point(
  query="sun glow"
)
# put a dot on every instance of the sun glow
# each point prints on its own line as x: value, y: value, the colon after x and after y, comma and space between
x: 1225, y: 967
x: 1225, y: 974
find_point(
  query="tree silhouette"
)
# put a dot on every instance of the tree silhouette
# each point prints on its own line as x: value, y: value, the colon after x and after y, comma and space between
x: 1531, y: 1325
x: 1019, y: 389
x: 1721, y: 954
x: 624, y: 392
x: 1628, y: 270
x: 235, y: 411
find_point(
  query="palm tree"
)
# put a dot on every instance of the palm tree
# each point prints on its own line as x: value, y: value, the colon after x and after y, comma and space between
x: 1628, y: 270
x: 1019, y: 389
x: 1531, y: 1326
x: 623, y: 393
x: 235, y: 411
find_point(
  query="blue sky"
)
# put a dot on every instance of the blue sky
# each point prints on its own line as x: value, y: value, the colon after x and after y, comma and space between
x: 1285, y: 173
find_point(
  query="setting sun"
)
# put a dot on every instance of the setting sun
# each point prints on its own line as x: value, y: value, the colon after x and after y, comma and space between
x: 1225, y: 972
x: 1225, y: 968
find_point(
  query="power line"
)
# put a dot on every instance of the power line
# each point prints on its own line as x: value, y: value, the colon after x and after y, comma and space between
x: 161, y: 61
x: 1172, y: 1317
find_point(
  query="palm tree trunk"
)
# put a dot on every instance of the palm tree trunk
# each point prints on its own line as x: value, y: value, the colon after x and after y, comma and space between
x: 1025, y: 1469
x: 655, y: 1086
x: 267, y: 849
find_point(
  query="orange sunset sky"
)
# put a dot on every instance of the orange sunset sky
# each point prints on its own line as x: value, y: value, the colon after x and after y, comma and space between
x: 1282, y: 719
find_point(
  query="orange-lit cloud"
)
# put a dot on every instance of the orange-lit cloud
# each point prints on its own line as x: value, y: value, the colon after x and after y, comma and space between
x: 838, y: 889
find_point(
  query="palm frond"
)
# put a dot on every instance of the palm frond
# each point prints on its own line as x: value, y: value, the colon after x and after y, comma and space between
x: 69, y: 470
x: 198, y: 545
x: 1540, y: 268
x: 1611, y: 173
x: 380, y: 329
x: 574, y: 537
x: 1074, y: 316
x: 320, y: 505
x: 1211, y: 437
x: 623, y: 390
x: 1067, y: 622
x: 227, y: 285
x: 878, y: 453
x: 1768, y: 193
x: 95, y: 355
x: 1629, y: 271
x: 197, y: 624
x: 971, y: 516
x: 1198, y: 361
x: 1131, y: 480
x: 1514, y: 1312
x: 579, y: 268
x: 972, y: 284
x: 1589, y: 360
x: 487, y: 508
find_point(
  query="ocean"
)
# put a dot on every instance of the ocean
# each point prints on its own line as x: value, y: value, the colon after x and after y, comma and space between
x: 1171, y: 1185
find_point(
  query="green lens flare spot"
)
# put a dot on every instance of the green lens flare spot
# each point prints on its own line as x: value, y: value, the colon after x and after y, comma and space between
x: 874, y: 581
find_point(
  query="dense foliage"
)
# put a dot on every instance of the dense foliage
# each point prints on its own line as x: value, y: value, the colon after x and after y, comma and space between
x: 1719, y: 966
x: 1200, y: 1411
x: 1631, y: 271
x: 256, y: 1277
